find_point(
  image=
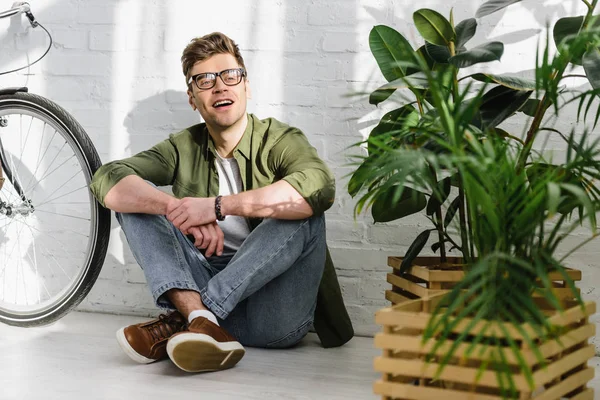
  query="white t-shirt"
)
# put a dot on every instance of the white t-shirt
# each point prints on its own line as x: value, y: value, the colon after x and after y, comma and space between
x: 235, y: 228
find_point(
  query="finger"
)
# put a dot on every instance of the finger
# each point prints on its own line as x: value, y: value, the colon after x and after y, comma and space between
x: 187, y: 223
x: 171, y: 216
x: 206, y: 236
x: 197, y: 236
x: 179, y: 221
x: 212, y: 246
x: 220, y: 239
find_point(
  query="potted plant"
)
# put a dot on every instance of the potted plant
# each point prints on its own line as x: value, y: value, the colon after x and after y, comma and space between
x: 493, y: 196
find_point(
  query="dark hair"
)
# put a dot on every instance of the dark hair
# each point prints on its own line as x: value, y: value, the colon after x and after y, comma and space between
x: 202, y: 48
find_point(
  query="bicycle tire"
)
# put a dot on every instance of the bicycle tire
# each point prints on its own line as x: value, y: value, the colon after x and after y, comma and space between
x: 44, y: 107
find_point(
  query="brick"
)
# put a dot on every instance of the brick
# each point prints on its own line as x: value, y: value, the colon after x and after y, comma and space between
x: 106, y: 41
x: 350, y: 286
x: 344, y: 231
x: 98, y: 14
x: 302, y: 96
x: 85, y: 64
x: 341, y: 42
x: 70, y: 38
x: 302, y: 41
x: 335, y: 13
x: 374, y: 287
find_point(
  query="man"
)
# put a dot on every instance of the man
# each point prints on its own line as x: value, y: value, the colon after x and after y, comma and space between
x: 239, y: 251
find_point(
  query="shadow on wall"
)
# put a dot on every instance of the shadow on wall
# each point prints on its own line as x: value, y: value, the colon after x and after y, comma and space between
x: 154, y: 118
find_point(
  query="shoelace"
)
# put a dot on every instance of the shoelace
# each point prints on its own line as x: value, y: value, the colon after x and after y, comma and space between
x: 165, y: 326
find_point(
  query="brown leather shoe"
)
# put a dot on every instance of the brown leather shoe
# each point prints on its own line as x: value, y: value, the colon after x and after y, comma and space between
x: 147, y: 342
x: 204, y: 347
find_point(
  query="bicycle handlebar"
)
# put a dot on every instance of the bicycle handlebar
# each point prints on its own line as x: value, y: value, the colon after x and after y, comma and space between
x: 18, y: 7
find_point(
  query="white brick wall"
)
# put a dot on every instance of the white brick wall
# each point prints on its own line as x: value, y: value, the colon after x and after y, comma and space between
x: 115, y: 66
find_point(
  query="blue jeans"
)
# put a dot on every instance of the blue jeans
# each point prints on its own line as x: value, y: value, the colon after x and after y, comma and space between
x: 265, y: 295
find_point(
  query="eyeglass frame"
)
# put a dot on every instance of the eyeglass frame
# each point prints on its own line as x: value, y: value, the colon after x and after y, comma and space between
x: 218, y: 75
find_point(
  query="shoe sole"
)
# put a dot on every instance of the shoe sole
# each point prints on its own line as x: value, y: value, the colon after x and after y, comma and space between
x: 127, y: 349
x: 198, y: 352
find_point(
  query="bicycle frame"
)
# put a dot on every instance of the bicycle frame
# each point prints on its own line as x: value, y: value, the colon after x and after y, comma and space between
x: 3, y: 159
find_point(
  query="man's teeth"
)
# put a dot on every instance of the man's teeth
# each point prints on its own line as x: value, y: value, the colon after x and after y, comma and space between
x: 222, y: 103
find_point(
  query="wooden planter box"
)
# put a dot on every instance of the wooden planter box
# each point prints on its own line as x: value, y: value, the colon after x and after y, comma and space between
x: 427, y: 277
x: 407, y: 376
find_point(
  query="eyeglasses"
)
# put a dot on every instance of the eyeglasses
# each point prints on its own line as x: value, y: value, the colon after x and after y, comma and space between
x: 207, y: 80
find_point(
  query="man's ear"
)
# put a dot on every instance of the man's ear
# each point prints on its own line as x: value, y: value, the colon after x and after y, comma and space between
x: 191, y: 100
x: 248, y: 90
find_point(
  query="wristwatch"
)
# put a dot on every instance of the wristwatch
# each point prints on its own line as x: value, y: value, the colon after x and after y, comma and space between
x: 220, y: 217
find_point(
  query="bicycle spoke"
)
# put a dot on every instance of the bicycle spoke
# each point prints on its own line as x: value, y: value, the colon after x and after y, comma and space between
x: 35, y: 266
x: 49, y: 165
x: 26, y: 139
x: 64, y: 215
x: 40, y: 156
x: 54, y: 170
x: 63, y: 195
x: 64, y: 246
x: 60, y: 187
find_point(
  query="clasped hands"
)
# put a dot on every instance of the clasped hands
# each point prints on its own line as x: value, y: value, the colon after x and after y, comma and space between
x: 196, y: 216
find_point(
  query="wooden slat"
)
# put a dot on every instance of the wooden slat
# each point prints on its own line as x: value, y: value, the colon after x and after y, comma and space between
x: 407, y: 285
x: 451, y: 373
x: 416, y: 270
x: 395, y: 298
x: 399, y: 341
x: 563, y: 365
x: 420, y: 321
x: 574, y: 274
x: 587, y: 394
x: 446, y: 276
x: 567, y: 386
x: 403, y: 391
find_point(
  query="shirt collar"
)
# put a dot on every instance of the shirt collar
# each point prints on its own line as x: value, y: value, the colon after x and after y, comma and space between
x: 244, y: 146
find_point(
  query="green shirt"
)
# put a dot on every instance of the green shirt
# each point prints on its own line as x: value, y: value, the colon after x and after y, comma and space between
x: 268, y: 152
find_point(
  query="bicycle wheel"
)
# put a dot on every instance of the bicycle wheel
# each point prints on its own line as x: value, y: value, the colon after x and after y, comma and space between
x: 53, y: 233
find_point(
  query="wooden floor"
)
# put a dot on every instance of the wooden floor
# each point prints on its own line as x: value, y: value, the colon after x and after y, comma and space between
x: 78, y: 358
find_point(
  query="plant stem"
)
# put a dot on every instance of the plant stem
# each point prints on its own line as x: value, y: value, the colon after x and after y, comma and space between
x: 543, y: 105
x: 463, y: 225
x: 461, y: 192
x: 439, y: 223
x: 588, y: 5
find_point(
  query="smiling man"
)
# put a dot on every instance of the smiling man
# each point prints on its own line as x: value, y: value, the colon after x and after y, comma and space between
x: 238, y: 255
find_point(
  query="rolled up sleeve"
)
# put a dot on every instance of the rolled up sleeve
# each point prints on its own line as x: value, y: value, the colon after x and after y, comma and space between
x: 297, y: 162
x: 156, y: 165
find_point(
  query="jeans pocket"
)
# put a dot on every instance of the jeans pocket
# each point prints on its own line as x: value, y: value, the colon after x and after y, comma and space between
x: 291, y: 338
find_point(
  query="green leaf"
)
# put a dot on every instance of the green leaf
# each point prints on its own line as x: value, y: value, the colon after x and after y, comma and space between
x: 451, y: 211
x: 530, y: 107
x: 591, y: 65
x: 379, y: 96
x: 509, y: 81
x: 436, y: 246
x: 434, y: 27
x: 553, y: 197
x: 439, y: 196
x: 393, y: 123
x: 492, y: 6
x: 389, y: 48
x: 396, y: 202
x: 500, y: 103
x: 485, y: 53
x: 465, y: 31
x: 414, y: 250
x: 356, y: 181
x: 565, y: 35
x: 415, y: 81
x: 439, y: 54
